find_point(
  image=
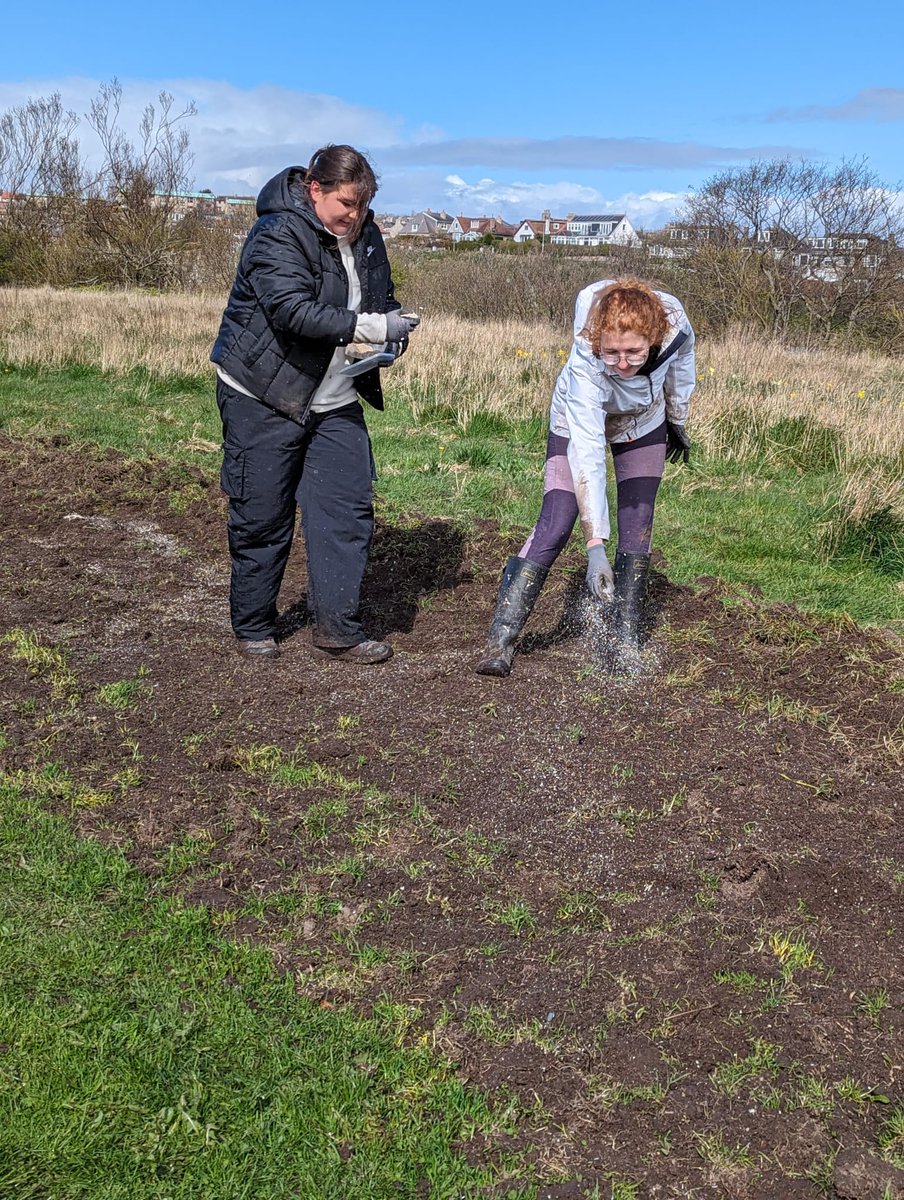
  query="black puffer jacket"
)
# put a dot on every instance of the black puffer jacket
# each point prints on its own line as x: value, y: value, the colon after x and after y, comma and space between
x: 287, y: 311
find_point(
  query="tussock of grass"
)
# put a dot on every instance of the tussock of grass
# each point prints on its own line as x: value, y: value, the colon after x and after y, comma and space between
x: 868, y: 521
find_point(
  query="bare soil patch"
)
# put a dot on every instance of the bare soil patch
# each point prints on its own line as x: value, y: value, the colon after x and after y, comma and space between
x: 661, y: 917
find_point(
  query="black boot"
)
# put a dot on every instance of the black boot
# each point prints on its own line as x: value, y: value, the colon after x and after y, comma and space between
x: 631, y: 574
x: 521, y: 584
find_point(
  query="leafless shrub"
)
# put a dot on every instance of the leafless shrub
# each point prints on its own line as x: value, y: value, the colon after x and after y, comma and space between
x: 127, y: 222
x: 217, y: 250
x: 133, y: 220
x: 487, y: 285
x: 42, y: 173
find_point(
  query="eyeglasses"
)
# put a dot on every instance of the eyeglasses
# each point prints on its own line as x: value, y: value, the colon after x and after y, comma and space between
x: 633, y: 360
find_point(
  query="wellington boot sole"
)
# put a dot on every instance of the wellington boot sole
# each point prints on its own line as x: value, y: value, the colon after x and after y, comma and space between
x: 498, y: 663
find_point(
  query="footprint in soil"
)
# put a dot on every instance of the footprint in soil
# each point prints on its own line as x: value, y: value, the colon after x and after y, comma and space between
x: 745, y: 874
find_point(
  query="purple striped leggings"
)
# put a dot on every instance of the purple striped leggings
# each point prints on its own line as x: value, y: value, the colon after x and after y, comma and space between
x: 638, y: 471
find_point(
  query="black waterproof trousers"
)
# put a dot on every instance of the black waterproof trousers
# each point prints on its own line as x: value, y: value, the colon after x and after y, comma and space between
x: 325, y: 467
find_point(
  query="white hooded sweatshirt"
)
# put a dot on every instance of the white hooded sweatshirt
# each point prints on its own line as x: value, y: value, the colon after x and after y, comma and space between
x: 593, y: 405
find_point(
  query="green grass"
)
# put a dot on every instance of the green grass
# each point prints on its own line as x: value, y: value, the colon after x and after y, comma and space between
x: 134, y: 413
x: 757, y: 524
x: 143, y: 1056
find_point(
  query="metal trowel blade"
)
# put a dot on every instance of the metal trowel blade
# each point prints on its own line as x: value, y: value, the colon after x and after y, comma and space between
x: 382, y: 358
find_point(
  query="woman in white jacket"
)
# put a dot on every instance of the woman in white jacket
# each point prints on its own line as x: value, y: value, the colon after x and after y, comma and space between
x: 627, y: 383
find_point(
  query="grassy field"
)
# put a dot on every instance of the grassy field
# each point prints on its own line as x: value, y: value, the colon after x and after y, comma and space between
x: 797, y: 487
x: 144, y: 1054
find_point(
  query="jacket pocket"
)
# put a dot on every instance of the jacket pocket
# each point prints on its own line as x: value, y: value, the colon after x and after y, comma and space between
x: 232, y: 474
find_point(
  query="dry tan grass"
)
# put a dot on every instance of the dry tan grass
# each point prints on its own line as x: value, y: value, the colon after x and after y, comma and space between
x: 116, y: 331
x: 502, y: 367
x: 507, y: 368
x: 860, y: 396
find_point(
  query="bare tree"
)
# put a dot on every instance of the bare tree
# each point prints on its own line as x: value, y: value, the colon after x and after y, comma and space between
x: 745, y: 221
x: 136, y: 219
x: 41, y: 174
x: 39, y: 157
x: 796, y: 244
x: 859, y: 223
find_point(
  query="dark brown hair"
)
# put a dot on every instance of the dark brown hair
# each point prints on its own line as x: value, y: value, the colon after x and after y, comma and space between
x: 626, y: 306
x: 333, y: 166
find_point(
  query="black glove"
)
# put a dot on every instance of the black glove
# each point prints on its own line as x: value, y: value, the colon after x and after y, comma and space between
x: 399, y: 325
x: 677, y: 443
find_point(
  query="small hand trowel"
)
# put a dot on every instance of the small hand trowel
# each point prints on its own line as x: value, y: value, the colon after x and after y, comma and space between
x: 379, y: 358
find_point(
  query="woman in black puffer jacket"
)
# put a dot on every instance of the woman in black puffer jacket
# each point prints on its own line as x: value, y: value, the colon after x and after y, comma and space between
x: 313, y: 278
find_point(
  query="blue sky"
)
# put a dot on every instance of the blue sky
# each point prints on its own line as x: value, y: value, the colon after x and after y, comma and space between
x: 489, y: 110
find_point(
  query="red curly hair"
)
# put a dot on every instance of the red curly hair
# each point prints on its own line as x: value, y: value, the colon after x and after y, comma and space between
x: 628, y: 305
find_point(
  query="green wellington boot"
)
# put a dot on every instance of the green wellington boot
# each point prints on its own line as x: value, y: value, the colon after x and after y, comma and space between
x: 521, y: 584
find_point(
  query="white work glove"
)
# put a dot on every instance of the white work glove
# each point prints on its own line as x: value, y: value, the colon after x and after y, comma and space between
x: 600, y: 580
x: 399, y: 325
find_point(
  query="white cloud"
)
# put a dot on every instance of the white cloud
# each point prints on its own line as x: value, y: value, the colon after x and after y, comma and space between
x: 410, y: 191
x: 576, y: 153
x: 240, y: 136
x: 515, y: 201
x: 517, y: 194
x: 650, y: 210
x: 870, y: 104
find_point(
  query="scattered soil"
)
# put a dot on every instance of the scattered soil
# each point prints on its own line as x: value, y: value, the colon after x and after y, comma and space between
x: 660, y: 918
